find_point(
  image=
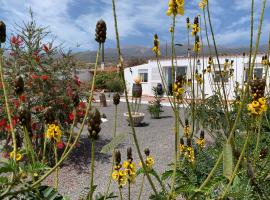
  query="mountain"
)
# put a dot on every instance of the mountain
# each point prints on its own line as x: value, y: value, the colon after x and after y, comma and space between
x: 132, y: 53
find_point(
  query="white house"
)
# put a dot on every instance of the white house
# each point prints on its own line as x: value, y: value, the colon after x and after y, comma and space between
x: 150, y: 76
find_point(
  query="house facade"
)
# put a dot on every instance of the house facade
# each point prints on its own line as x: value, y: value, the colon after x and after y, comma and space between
x: 235, y: 72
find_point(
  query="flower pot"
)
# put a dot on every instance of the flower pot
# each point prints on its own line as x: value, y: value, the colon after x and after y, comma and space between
x: 137, y: 90
x: 136, y: 116
x: 159, y: 89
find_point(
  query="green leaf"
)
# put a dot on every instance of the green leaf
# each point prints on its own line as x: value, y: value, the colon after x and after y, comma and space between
x: 167, y: 174
x: 227, y: 161
x: 139, y: 171
x: 114, y: 143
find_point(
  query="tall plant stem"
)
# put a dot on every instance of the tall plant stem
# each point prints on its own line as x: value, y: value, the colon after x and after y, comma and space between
x: 92, y: 169
x: 127, y: 101
x: 176, y: 112
x: 7, y: 105
x: 57, y: 169
x: 128, y: 190
x: 243, y: 95
x: 141, y: 188
x: 114, y: 135
x: 120, y: 193
x: 217, y: 56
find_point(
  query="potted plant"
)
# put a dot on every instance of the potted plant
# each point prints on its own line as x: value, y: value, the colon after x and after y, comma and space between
x: 155, y: 107
x: 136, y: 102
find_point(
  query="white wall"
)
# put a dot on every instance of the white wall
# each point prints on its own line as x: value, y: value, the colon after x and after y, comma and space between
x: 154, y: 77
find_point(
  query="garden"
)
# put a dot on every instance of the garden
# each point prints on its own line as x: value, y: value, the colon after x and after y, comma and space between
x: 57, y: 141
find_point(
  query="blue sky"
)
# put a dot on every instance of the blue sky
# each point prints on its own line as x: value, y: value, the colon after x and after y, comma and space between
x: 73, y: 22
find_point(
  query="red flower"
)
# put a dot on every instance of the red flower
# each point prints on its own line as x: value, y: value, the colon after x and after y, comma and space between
x: 80, y: 113
x: 71, y: 116
x: 17, y: 41
x: 44, y: 77
x: 77, y: 81
x: 82, y: 105
x: 60, y: 145
x: 16, y: 103
x: 46, y: 48
x: 34, y: 126
x: 22, y: 98
x: 34, y: 76
x: 3, y: 122
x: 36, y: 57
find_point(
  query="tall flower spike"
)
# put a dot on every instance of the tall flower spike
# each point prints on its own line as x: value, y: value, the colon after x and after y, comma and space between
x: 188, y: 23
x: 117, y: 157
x: 175, y: 7
x: 2, y: 32
x: 129, y: 154
x: 156, y: 48
x: 116, y: 98
x: 94, y: 122
x: 101, y: 31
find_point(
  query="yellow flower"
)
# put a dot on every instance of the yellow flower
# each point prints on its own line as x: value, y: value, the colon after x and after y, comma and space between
x: 149, y: 162
x: 190, y: 154
x: 262, y: 100
x: 208, y: 69
x: 251, y: 109
x: 18, y: 156
x: 197, y: 46
x: 186, y: 130
x: 54, y: 132
x: 120, y: 177
x: 201, y: 142
x: 202, y: 4
x: 182, y: 147
x: 156, y: 49
x: 264, y: 107
x: 255, y: 104
x: 176, y: 7
x: 115, y: 175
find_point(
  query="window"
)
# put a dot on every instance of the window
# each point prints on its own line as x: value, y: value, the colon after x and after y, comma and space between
x: 143, y: 73
x: 181, y: 71
x: 257, y: 71
x: 219, y: 76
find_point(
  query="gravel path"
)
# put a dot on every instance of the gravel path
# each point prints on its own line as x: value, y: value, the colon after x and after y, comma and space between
x: 155, y: 134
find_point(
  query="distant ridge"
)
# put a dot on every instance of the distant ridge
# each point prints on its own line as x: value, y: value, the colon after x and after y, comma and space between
x: 140, y: 52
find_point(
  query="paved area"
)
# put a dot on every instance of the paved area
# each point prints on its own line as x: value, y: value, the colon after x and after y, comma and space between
x: 155, y: 134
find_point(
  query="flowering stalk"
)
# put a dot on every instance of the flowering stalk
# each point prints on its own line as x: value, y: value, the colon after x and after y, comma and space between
x: 7, y: 104
x: 92, y: 169
x: 243, y: 95
x: 126, y: 97
x: 57, y: 169
x: 114, y: 135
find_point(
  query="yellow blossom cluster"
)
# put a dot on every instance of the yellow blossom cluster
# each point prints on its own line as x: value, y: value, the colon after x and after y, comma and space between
x: 197, y: 45
x: 187, y: 130
x: 178, y: 87
x: 54, y: 132
x: 119, y: 175
x: 195, y: 27
x: 257, y: 107
x: 176, y: 7
x: 190, y: 154
x: 265, y: 60
x: 202, y: 4
x: 198, y: 78
x: 18, y: 156
x: 156, y: 48
x: 130, y: 170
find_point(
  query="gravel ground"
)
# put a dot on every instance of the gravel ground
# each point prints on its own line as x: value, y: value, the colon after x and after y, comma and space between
x: 155, y: 134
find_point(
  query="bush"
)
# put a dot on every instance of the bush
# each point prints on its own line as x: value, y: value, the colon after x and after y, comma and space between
x: 109, y: 81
